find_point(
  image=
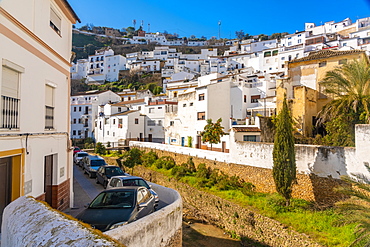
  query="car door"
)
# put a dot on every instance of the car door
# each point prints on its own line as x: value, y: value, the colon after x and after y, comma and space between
x: 100, y: 174
x: 144, y: 196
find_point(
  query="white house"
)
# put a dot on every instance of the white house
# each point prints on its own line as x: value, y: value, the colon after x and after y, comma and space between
x: 84, y: 111
x: 35, y: 147
x: 117, y: 125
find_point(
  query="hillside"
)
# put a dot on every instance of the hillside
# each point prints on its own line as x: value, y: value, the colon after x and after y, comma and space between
x: 85, y: 45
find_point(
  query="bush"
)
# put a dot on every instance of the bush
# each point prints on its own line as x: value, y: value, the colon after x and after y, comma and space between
x: 203, y: 171
x: 168, y: 162
x: 100, y: 149
x: 179, y: 171
x: 149, y: 158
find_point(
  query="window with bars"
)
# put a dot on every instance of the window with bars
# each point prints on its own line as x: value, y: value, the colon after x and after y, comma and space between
x: 49, y: 107
x: 9, y: 99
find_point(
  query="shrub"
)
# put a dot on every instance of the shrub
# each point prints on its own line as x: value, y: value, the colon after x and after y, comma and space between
x: 203, y: 171
x: 179, y: 171
x: 100, y: 148
x: 168, y: 162
x: 149, y: 158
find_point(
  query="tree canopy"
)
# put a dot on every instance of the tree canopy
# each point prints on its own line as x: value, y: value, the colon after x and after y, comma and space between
x: 212, y: 132
x: 284, y: 168
x: 349, y: 86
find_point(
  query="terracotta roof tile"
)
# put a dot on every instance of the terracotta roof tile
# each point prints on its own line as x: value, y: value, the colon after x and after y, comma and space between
x: 246, y: 129
x: 325, y: 54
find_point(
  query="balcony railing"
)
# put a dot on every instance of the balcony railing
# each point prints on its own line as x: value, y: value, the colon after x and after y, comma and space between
x: 49, y: 117
x: 10, y: 112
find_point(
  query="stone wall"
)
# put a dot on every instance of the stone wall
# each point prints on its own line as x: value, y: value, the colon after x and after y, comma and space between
x: 27, y: 222
x: 229, y: 216
x: 307, y: 186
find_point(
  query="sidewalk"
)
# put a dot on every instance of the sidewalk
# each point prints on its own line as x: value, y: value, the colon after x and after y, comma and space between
x: 84, y: 190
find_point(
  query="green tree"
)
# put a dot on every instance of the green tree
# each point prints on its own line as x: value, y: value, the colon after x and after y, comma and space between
x: 132, y: 158
x: 349, y: 86
x: 284, y: 168
x: 100, y: 148
x: 239, y: 34
x: 357, y: 209
x: 212, y: 132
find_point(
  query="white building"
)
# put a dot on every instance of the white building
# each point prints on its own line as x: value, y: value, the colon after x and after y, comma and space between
x: 84, y: 111
x: 117, y: 125
x: 35, y: 148
x: 100, y: 67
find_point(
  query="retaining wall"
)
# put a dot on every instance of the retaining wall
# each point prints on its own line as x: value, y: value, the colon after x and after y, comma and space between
x: 27, y: 222
x: 254, y: 165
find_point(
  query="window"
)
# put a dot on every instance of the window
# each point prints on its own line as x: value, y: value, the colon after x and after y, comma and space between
x: 79, y: 108
x: 201, y: 116
x: 151, y: 123
x: 55, y: 21
x: 322, y: 64
x: 247, y: 138
x: 9, y: 98
x: 74, y: 133
x: 106, y: 121
x: 79, y: 132
x: 191, y: 104
x: 184, y: 105
x: 172, y: 123
x: 119, y: 109
x: 74, y: 109
x: 79, y: 120
x: 201, y: 97
x: 114, y: 121
x: 49, y: 107
x: 159, y: 122
x: 299, y: 41
x: 254, y: 98
x: 74, y: 121
x: 245, y: 98
x: 136, y: 121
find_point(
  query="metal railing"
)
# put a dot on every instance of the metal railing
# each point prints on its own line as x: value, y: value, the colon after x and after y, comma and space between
x: 10, y: 112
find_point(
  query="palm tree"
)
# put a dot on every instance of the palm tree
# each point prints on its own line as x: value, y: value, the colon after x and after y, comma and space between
x: 349, y: 86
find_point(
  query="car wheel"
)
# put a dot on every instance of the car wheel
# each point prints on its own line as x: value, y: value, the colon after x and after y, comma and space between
x: 96, y: 180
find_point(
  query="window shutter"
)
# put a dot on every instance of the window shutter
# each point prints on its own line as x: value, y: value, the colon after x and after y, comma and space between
x: 55, y: 19
x: 49, y: 95
x: 10, y: 83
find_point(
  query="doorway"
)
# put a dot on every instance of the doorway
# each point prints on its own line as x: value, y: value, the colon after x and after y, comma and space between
x: 5, y: 184
x: 48, y: 179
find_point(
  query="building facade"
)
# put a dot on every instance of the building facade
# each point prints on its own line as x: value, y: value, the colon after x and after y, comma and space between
x: 35, y: 149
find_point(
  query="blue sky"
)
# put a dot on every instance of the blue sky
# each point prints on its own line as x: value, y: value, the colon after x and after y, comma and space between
x: 200, y: 18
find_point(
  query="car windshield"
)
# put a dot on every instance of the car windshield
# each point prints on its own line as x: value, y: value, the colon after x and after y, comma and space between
x: 135, y: 182
x: 97, y: 163
x: 113, y: 171
x: 114, y: 199
x: 82, y: 154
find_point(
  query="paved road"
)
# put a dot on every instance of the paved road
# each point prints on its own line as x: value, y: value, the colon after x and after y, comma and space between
x: 85, y: 189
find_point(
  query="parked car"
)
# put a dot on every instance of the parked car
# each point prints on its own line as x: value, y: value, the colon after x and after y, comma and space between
x: 91, y: 164
x: 104, y: 173
x: 121, y: 181
x: 76, y: 150
x: 77, y: 157
x: 116, y: 207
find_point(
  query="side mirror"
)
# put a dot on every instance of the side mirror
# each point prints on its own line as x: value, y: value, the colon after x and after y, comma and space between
x: 143, y: 205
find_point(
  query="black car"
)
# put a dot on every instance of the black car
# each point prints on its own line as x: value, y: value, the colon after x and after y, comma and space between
x: 116, y: 207
x: 104, y: 173
x: 122, y: 181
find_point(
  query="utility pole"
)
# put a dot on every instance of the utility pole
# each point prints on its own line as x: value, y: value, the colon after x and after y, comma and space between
x: 134, y: 23
x: 148, y: 27
x: 219, y: 29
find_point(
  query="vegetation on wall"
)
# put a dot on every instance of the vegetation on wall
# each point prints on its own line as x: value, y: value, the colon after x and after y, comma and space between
x: 284, y: 168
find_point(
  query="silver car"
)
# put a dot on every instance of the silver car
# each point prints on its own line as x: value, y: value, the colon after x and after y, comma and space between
x: 121, y: 181
x: 77, y: 157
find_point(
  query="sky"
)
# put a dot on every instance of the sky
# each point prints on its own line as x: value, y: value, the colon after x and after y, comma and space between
x: 202, y: 18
